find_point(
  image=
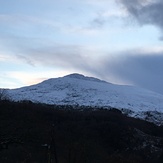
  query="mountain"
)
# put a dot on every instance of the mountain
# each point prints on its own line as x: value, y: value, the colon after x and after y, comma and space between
x: 77, y: 89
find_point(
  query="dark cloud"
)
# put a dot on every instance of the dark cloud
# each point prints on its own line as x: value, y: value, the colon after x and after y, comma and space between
x: 145, y: 11
x: 144, y: 70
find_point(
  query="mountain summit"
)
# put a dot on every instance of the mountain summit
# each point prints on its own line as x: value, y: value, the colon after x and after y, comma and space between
x: 82, y: 77
x: 77, y: 89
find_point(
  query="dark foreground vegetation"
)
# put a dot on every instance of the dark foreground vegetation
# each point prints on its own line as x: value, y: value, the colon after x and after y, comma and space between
x: 31, y: 133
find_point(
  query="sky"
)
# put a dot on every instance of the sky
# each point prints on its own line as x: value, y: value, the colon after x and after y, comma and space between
x: 119, y: 41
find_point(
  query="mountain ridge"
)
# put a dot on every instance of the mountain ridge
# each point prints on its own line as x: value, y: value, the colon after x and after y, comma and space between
x: 77, y: 89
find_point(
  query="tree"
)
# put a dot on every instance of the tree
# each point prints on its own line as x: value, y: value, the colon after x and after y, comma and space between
x: 3, y: 94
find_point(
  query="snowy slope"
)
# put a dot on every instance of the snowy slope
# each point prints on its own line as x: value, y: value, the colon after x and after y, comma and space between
x: 76, y: 89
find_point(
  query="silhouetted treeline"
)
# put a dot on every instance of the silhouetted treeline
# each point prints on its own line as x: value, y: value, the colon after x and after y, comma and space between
x: 42, y: 133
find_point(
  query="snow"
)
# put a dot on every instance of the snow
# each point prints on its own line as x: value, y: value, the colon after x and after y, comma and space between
x: 76, y: 89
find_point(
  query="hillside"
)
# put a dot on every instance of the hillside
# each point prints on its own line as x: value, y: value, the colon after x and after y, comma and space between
x: 39, y: 133
x: 76, y: 89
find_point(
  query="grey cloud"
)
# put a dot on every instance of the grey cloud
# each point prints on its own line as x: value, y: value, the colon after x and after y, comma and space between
x: 26, y: 59
x: 145, y: 11
x: 62, y: 56
x: 98, y: 21
x: 52, y: 55
x: 36, y: 52
x: 142, y: 70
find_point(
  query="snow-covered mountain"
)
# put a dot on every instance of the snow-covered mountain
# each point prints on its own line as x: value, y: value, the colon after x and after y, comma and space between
x: 76, y: 89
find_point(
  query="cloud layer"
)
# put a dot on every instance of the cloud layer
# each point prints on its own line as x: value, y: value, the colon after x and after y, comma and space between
x: 137, y: 68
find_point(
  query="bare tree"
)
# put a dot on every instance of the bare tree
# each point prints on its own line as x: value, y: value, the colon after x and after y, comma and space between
x: 3, y: 94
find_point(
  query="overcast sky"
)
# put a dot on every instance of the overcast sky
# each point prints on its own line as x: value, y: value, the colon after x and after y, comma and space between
x: 119, y: 41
